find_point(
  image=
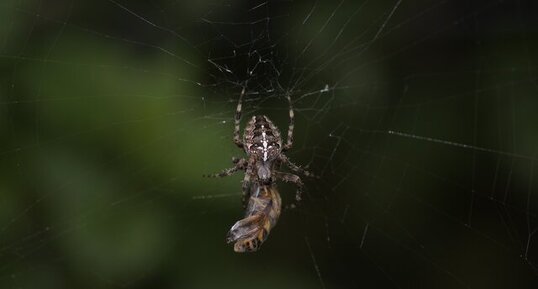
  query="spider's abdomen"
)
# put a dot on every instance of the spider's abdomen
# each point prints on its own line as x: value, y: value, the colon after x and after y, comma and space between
x: 262, y: 138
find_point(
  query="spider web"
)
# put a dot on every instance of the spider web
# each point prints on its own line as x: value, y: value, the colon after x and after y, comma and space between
x: 419, y: 117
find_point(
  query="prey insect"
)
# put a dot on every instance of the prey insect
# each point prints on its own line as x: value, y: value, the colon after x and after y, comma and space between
x: 265, y: 150
x: 261, y: 215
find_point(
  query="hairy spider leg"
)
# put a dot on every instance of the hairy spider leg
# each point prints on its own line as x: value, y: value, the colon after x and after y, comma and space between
x: 291, y: 178
x: 289, y: 142
x: 295, y: 168
x: 240, y: 164
x: 237, y: 120
x: 245, y: 187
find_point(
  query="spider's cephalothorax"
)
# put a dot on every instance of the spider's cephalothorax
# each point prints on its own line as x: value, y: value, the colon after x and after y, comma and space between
x: 262, y: 142
x: 265, y: 154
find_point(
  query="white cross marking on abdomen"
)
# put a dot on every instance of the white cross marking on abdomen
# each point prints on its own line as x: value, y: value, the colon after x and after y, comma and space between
x: 264, y: 143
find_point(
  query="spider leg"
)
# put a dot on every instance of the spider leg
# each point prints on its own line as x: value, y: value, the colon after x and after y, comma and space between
x: 240, y: 164
x: 237, y: 120
x: 246, y: 184
x: 291, y: 178
x: 295, y: 168
x: 245, y: 189
x: 289, y: 142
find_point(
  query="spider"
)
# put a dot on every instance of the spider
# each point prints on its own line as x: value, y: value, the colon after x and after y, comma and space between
x: 265, y: 153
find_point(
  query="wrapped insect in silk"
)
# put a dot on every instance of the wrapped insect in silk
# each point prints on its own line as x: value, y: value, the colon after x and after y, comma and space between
x: 263, y: 210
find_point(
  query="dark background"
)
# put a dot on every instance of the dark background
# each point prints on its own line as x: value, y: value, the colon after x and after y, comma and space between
x: 419, y: 116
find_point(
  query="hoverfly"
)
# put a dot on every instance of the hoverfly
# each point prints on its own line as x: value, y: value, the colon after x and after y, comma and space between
x: 261, y: 215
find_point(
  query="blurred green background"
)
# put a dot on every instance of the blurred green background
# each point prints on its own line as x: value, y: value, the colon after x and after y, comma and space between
x: 420, y: 117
